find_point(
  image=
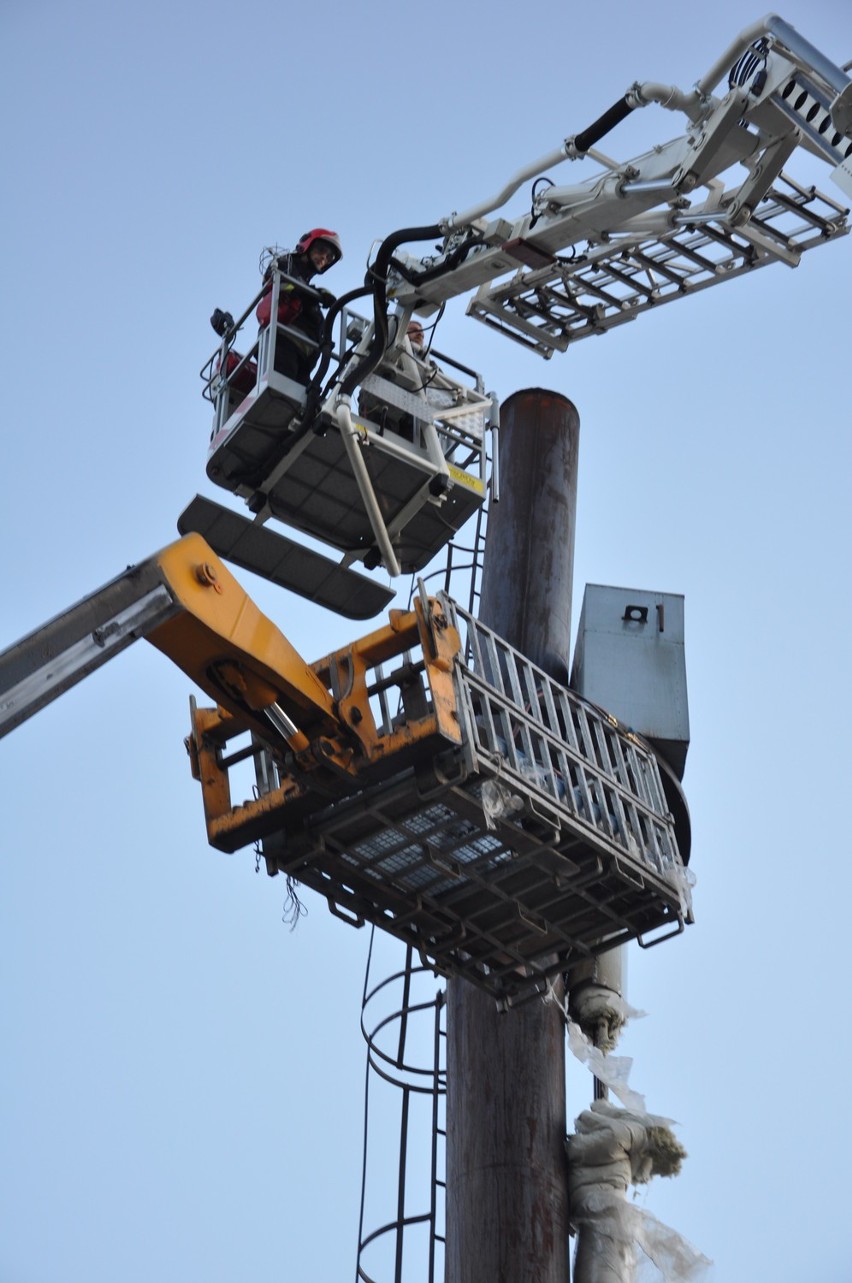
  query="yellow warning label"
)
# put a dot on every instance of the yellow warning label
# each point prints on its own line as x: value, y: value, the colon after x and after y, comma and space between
x: 463, y: 478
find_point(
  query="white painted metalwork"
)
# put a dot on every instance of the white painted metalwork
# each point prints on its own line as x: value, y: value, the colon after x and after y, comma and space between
x: 688, y: 213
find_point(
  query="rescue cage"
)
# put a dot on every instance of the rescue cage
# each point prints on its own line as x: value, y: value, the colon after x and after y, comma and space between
x: 233, y: 384
x: 421, y: 483
x: 543, y: 838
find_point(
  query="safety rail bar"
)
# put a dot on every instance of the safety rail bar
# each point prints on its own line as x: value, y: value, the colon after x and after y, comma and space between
x: 211, y: 372
x: 563, y: 750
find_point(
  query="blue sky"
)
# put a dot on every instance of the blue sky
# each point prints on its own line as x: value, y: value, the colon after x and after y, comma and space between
x: 182, y: 1075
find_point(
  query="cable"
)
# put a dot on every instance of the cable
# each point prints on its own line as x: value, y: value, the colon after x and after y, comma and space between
x: 534, y: 217
x: 326, y: 346
x: 743, y: 71
x: 452, y: 260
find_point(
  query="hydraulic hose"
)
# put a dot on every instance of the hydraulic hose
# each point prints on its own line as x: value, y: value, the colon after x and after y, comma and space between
x: 379, y: 272
x: 457, y: 256
x: 603, y: 125
x: 326, y: 345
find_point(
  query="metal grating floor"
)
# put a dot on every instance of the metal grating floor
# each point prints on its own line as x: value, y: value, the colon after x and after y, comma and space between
x: 546, y: 838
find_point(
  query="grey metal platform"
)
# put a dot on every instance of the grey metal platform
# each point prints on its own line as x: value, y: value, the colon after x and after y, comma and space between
x: 307, y: 480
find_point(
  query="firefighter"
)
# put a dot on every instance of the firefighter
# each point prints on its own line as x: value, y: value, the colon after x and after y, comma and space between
x: 316, y: 251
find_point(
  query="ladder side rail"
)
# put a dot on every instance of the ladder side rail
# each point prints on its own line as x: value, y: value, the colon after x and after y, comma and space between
x: 50, y: 660
x: 187, y: 604
x: 551, y: 316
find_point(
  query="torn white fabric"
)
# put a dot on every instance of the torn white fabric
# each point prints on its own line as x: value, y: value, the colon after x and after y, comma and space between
x: 613, y: 1071
x: 662, y: 1253
x: 618, y: 1242
x: 685, y: 884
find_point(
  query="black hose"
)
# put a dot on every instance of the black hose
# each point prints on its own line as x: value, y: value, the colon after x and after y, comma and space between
x: 379, y: 272
x: 614, y: 116
x: 326, y: 346
x: 458, y: 255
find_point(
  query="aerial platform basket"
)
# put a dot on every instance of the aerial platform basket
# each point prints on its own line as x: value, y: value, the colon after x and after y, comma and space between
x: 539, y: 837
x: 406, y: 479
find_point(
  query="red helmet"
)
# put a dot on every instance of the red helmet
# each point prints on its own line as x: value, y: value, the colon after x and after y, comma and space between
x: 321, y: 234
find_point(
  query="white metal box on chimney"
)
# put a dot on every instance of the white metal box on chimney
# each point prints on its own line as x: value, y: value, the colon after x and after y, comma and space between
x: 629, y: 659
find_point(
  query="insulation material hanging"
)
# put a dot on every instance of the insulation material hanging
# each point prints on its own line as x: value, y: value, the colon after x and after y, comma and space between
x: 596, y: 1001
x: 612, y: 1149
